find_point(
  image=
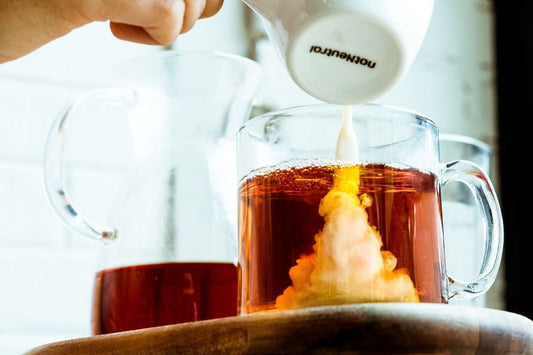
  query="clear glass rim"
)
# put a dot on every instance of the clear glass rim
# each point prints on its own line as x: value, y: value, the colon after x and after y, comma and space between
x: 324, y: 107
x: 169, y: 53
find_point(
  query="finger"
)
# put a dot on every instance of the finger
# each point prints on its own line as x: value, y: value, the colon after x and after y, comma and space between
x: 193, y: 11
x: 132, y: 33
x: 140, y: 20
x: 211, y: 8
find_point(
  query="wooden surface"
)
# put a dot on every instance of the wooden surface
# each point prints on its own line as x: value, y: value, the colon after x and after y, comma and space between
x: 386, y: 328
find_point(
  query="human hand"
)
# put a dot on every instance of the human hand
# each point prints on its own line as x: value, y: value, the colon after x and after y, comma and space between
x: 26, y: 25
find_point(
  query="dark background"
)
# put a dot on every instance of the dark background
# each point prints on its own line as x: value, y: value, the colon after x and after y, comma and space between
x: 514, y: 61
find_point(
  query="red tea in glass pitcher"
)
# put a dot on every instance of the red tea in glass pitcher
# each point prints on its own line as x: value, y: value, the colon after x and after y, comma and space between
x: 169, y: 244
x: 141, y: 296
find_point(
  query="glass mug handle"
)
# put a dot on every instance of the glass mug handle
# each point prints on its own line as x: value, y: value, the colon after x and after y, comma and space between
x: 484, y: 194
x: 53, y: 168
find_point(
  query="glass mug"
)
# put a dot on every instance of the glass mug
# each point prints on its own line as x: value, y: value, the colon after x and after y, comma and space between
x: 170, y: 244
x: 315, y: 230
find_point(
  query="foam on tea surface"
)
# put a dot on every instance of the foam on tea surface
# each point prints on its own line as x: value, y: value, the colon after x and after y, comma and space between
x: 348, y: 265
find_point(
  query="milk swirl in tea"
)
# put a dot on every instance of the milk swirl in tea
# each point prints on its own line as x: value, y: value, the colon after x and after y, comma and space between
x: 333, y: 233
x: 347, y: 264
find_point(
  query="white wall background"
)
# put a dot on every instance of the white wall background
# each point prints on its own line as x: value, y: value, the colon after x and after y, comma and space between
x: 47, y: 271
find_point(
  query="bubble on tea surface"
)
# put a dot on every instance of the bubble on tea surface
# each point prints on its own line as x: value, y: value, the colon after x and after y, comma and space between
x: 348, y: 265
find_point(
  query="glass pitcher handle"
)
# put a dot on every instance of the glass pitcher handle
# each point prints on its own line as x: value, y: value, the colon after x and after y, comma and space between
x: 53, y: 167
x: 486, y: 200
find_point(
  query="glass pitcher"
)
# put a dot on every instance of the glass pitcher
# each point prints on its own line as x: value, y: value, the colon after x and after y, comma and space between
x: 171, y: 242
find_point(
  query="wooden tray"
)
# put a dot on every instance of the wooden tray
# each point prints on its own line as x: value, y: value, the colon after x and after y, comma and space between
x: 385, y: 328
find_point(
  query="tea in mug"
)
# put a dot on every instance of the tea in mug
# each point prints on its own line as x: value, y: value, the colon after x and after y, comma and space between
x: 141, y: 296
x: 300, y: 248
